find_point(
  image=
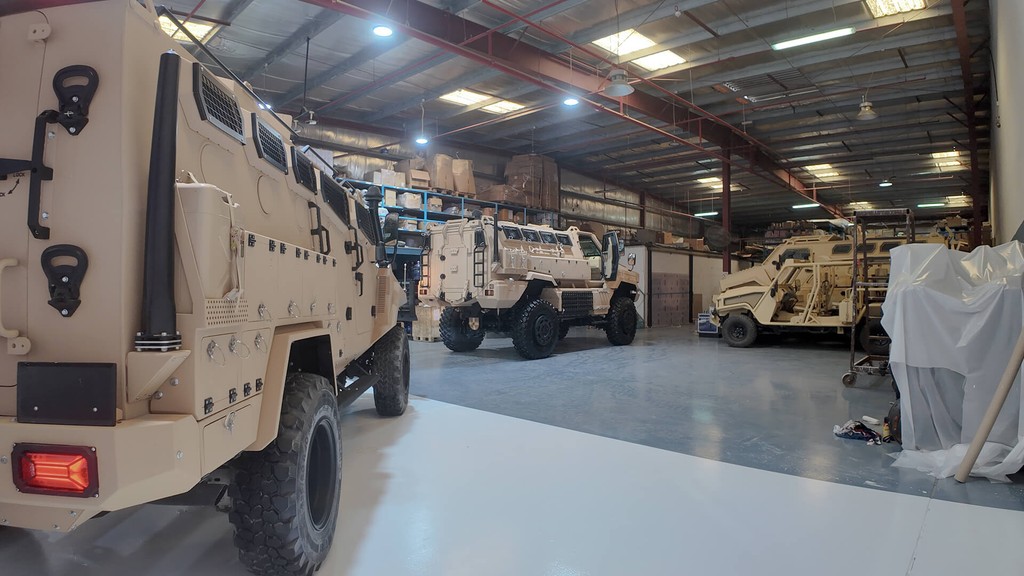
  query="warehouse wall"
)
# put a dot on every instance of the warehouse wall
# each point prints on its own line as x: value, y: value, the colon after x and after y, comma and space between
x: 1007, y: 208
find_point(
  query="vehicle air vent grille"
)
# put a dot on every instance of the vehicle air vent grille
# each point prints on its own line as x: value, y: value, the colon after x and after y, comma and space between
x: 368, y: 225
x: 577, y: 304
x: 216, y: 105
x: 269, y: 144
x: 336, y: 197
x: 222, y: 312
x: 304, y: 172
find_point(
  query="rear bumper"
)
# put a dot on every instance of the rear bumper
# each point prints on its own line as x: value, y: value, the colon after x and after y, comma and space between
x: 139, y: 461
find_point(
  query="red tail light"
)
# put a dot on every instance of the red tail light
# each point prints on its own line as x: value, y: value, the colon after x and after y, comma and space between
x: 55, y: 470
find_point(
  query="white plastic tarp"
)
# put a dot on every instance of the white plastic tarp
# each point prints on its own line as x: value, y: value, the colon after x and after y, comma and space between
x: 954, y: 318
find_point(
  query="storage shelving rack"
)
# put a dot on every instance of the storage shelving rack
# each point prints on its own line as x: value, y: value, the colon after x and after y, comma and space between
x: 871, y: 283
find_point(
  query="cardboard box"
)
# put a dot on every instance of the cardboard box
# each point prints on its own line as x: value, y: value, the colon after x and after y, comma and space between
x: 434, y: 204
x: 419, y: 179
x: 537, y: 176
x: 390, y: 197
x: 406, y: 166
x: 462, y: 175
x: 440, y: 169
x: 412, y: 200
x: 503, y: 194
x: 665, y: 238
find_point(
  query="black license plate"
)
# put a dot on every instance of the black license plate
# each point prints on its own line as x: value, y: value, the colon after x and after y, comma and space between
x: 74, y: 393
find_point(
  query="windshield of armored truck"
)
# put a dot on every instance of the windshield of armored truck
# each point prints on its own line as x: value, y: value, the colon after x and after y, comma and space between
x: 590, y: 249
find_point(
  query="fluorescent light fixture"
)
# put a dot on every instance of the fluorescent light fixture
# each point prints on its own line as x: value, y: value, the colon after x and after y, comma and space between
x: 948, y: 163
x: 801, y: 206
x: 941, y: 155
x: 710, y: 181
x: 198, y: 29
x: 880, y: 8
x: 659, y: 60
x: 861, y: 203
x: 822, y: 170
x: 464, y: 97
x: 625, y: 42
x: 502, y: 107
x: 885, y: 183
x: 382, y: 31
x: 814, y: 38
x: 932, y: 205
x: 570, y: 101
x: 705, y: 214
x: 422, y: 140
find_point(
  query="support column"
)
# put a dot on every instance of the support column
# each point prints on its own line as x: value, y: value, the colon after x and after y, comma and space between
x: 727, y: 209
x: 1007, y: 208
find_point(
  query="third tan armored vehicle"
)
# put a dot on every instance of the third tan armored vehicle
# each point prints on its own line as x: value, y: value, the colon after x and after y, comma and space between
x: 804, y: 285
x: 531, y: 281
x: 184, y: 297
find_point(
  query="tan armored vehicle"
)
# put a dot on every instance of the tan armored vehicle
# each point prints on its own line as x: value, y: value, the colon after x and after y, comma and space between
x: 531, y: 281
x: 184, y: 298
x: 805, y: 286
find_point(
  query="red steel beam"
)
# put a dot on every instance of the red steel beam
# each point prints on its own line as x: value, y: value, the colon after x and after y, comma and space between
x: 528, y: 63
x: 963, y: 43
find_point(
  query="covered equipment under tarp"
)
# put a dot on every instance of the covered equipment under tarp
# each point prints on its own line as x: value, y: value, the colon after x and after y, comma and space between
x: 954, y: 318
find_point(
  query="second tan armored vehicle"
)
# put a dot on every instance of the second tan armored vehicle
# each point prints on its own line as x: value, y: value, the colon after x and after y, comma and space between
x: 533, y: 282
x: 184, y: 297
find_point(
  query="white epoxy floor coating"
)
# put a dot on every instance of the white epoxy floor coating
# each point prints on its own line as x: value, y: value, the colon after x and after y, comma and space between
x: 447, y: 490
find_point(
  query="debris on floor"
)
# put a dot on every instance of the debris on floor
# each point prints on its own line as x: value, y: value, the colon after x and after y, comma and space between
x: 857, y: 430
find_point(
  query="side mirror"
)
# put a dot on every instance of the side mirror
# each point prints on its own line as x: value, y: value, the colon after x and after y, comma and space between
x: 390, y: 228
x: 631, y: 260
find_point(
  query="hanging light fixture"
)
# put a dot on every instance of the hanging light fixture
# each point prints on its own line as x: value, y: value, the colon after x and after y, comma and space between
x: 618, y: 86
x: 422, y: 138
x: 885, y: 183
x: 866, y: 111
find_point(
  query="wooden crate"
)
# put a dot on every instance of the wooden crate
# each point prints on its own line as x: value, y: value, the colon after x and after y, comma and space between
x: 427, y: 327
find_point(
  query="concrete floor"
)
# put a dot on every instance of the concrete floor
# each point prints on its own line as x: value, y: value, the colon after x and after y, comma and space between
x: 675, y: 455
x: 770, y: 407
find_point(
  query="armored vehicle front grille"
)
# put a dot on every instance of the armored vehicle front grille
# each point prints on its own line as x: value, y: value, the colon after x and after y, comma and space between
x: 269, y: 144
x: 226, y: 312
x: 335, y: 196
x: 216, y: 105
x: 577, y: 304
x: 367, y: 224
x: 304, y: 172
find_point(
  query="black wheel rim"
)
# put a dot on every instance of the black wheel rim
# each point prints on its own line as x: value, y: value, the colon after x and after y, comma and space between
x: 543, y: 329
x: 322, y: 474
x: 738, y: 332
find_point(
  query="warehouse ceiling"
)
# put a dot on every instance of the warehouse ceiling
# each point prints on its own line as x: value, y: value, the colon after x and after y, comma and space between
x: 786, y: 119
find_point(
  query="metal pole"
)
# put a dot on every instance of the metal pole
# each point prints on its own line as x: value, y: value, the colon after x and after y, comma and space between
x: 727, y: 210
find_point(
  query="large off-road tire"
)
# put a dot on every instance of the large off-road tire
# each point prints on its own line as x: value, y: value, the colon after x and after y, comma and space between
x: 535, y: 329
x: 739, y: 330
x: 390, y: 362
x: 621, y: 321
x: 285, y: 497
x: 563, y: 331
x: 874, y: 346
x: 456, y: 334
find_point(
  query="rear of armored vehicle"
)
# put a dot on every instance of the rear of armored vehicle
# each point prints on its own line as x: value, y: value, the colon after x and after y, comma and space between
x: 174, y: 277
x: 532, y: 282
